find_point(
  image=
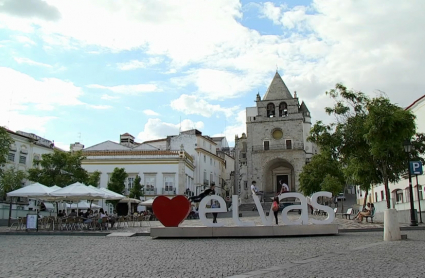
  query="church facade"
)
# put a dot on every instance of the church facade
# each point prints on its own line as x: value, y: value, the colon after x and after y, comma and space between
x: 274, y: 148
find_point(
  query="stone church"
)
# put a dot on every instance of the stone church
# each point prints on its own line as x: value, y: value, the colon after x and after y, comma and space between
x: 274, y: 149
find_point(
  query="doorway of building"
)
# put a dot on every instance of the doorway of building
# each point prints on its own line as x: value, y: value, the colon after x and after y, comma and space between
x: 281, y: 179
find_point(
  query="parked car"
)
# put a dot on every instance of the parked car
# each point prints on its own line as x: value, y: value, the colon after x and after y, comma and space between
x: 340, y: 197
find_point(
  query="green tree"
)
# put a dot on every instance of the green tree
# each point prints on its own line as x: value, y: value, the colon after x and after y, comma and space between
x: 367, y: 138
x: 94, y: 179
x: 117, y: 180
x: 59, y: 168
x: 5, y: 142
x: 117, y: 183
x: 11, y: 180
x: 137, y: 190
x: 332, y: 184
x: 314, y: 173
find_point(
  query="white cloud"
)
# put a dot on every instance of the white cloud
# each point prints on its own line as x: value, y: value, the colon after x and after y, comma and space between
x: 236, y: 128
x: 131, y: 65
x: 157, y: 129
x: 109, y: 97
x: 150, y: 112
x: 24, y: 97
x: 137, y: 64
x: 219, y: 84
x: 63, y: 146
x: 24, y: 40
x: 194, y: 105
x: 127, y: 89
x: 21, y: 60
x: 99, y: 107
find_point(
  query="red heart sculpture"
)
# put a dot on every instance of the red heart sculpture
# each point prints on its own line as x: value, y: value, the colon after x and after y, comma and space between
x: 171, y: 212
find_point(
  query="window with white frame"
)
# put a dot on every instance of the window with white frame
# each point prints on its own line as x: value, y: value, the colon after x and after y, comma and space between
x: 169, y: 183
x: 150, y: 183
x: 130, y: 183
x: 205, y: 158
x: 11, y: 156
x: 22, y: 159
x: 210, y: 160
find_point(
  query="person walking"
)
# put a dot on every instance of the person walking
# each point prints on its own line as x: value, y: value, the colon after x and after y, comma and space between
x: 275, y: 208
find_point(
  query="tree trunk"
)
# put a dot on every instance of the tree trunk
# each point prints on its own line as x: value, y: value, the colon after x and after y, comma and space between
x: 387, y: 193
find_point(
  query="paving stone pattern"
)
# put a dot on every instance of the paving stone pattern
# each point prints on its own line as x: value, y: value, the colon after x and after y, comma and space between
x: 345, y: 255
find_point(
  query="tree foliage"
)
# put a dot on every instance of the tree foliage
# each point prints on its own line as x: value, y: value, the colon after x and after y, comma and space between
x: 367, y: 137
x: 137, y: 190
x: 117, y: 180
x: 5, y: 142
x: 59, y: 168
x: 11, y: 180
x: 314, y: 173
x: 94, y: 179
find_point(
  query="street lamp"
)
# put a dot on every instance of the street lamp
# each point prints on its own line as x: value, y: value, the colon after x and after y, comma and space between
x: 407, y: 149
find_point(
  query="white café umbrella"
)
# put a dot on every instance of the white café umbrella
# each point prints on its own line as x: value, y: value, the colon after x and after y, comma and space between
x: 111, y: 194
x: 147, y: 203
x: 77, y: 192
x: 34, y: 191
x: 82, y: 205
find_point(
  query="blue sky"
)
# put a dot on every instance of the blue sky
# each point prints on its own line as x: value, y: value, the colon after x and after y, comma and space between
x: 91, y: 70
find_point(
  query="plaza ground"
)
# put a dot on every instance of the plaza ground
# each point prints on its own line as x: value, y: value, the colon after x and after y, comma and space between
x: 349, y: 254
x: 345, y: 255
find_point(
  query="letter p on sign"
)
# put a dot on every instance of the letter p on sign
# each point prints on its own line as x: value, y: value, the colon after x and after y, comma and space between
x: 416, y: 168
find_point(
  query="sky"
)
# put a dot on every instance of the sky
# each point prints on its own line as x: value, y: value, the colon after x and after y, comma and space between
x: 89, y: 70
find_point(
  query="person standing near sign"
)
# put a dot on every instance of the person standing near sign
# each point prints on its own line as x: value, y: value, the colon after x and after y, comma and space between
x: 283, y: 187
x: 275, y: 208
x: 255, y: 191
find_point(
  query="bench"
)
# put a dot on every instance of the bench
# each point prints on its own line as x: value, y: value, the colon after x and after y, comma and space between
x: 348, y: 213
x: 372, y: 214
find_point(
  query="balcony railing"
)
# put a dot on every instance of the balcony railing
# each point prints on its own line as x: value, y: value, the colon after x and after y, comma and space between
x: 150, y: 191
x: 273, y: 147
x: 168, y: 192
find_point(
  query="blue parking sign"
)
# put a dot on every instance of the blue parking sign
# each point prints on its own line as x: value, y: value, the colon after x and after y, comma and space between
x: 416, y: 168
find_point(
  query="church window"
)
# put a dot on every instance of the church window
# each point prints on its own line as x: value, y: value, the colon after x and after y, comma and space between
x: 270, y: 110
x: 245, y: 185
x: 266, y: 145
x: 277, y: 133
x: 288, y: 144
x: 283, y: 109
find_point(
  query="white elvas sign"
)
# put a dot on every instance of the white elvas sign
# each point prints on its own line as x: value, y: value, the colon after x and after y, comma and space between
x: 267, y: 221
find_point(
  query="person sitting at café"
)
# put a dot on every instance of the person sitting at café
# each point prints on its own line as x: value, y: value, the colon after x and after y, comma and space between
x: 102, y: 215
x: 60, y: 214
x: 88, y: 217
x: 73, y: 213
x: 113, y: 218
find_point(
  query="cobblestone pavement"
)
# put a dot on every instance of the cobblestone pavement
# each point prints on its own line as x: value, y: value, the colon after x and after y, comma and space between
x: 344, y: 255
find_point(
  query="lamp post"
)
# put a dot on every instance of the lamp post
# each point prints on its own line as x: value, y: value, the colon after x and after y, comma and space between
x: 407, y: 149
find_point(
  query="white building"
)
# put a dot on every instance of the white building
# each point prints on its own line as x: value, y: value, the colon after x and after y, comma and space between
x: 180, y: 164
x: 26, y: 148
x: 400, y: 194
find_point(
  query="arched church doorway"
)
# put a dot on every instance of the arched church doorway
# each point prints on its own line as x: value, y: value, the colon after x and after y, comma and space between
x: 275, y: 172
